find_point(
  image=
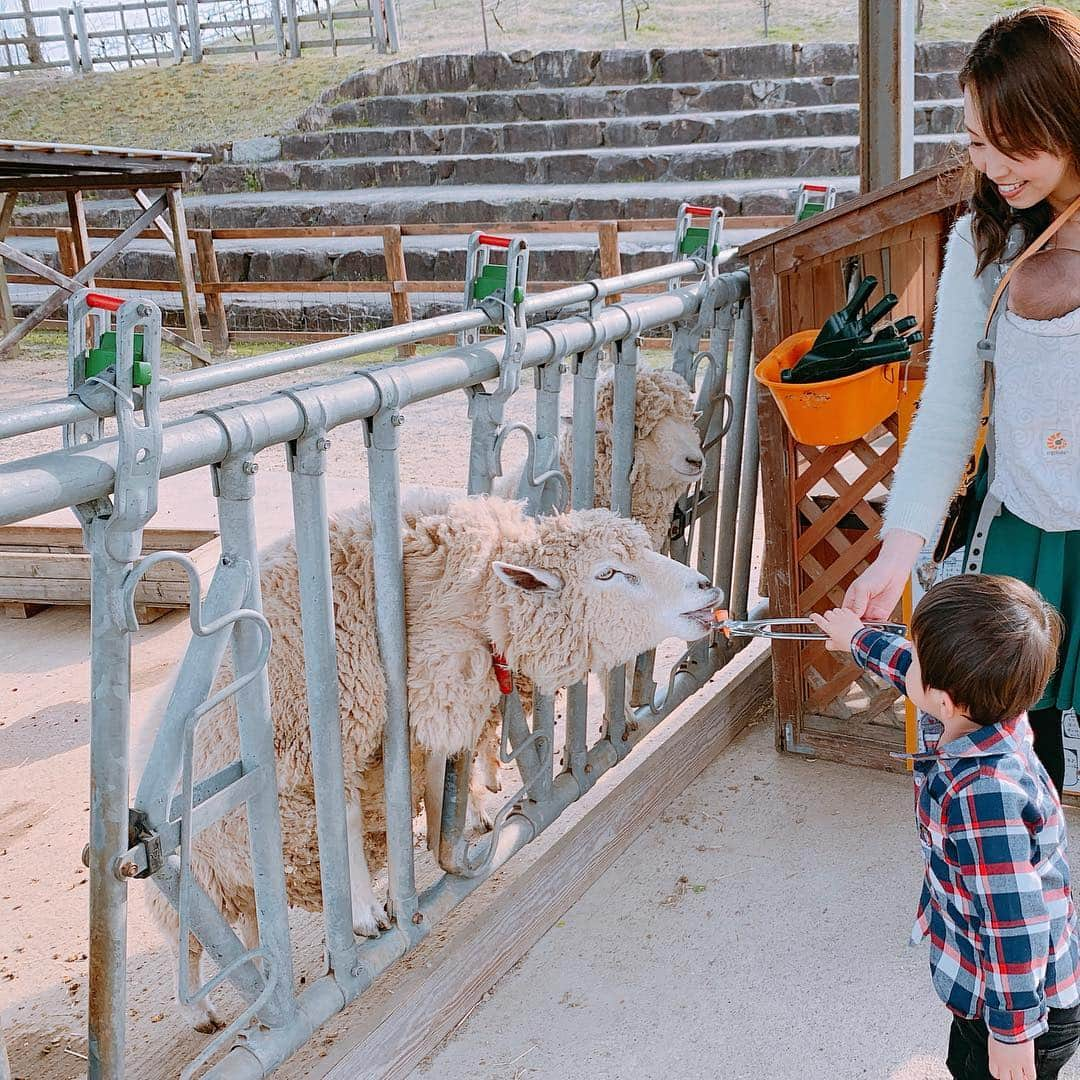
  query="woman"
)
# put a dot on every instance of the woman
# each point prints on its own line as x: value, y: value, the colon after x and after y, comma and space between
x: 1021, y: 87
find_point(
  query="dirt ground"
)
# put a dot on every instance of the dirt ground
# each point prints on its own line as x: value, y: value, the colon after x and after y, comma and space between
x: 44, y: 732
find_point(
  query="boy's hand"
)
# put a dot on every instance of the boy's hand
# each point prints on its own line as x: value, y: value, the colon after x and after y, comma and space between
x: 1012, y: 1061
x: 841, y: 625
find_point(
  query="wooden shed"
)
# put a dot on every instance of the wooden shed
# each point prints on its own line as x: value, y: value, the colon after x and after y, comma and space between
x: 822, y: 505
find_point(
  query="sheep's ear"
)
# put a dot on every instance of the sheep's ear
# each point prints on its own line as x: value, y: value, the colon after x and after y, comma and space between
x: 527, y: 578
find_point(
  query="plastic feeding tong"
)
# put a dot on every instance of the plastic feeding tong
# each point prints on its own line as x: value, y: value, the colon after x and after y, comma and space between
x: 787, y: 629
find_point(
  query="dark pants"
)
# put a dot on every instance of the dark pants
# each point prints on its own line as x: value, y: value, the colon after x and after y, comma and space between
x: 969, y: 1057
x: 1049, y: 745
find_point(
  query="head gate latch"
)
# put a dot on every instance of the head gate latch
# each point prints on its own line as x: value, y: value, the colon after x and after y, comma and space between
x: 498, y: 289
x: 699, y: 234
x: 119, y: 370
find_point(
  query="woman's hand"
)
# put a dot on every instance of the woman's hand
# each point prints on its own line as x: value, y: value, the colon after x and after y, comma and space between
x: 874, y: 594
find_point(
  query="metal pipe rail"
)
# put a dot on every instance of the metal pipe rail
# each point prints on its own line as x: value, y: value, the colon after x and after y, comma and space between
x: 717, y: 539
x: 63, y: 478
x: 40, y: 416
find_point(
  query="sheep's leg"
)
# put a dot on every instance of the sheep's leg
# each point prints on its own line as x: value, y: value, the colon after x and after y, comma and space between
x: 203, y: 1015
x: 434, y: 780
x: 488, y: 760
x: 368, y: 915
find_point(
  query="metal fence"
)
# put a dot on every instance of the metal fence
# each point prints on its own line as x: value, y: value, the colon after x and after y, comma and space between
x: 126, y: 33
x: 111, y: 482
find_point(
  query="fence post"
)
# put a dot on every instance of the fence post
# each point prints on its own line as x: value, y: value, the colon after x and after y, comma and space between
x: 279, y: 33
x: 392, y: 25
x: 610, y: 259
x: 174, y: 31
x: 65, y: 252
x: 194, y: 34
x: 294, y: 28
x: 7, y: 313
x: 216, y: 322
x: 86, y: 59
x: 69, y: 39
x: 396, y: 272
x: 378, y: 25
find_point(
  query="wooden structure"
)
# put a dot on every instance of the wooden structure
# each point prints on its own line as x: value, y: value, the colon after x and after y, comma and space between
x: 46, y: 565
x: 33, y: 168
x: 212, y: 288
x: 823, y: 505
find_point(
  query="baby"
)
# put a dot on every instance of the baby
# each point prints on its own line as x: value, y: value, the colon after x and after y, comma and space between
x: 1047, y: 285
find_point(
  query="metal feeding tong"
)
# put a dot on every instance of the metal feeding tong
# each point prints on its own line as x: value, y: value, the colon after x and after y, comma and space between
x: 765, y: 628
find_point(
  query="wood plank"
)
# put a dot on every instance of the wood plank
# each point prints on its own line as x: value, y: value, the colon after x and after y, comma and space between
x: 429, y: 1003
x: 185, y: 273
x: 610, y: 257
x: 144, y: 201
x: 866, y: 215
x: 849, y: 749
x: 16, y: 609
x: 77, y: 219
x: 400, y: 306
x: 7, y: 312
x: 217, y: 323
x: 71, y: 536
x: 66, y: 254
x: 105, y: 151
x: 91, y: 182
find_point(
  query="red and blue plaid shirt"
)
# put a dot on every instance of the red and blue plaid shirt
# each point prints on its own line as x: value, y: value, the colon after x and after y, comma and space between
x: 995, y: 901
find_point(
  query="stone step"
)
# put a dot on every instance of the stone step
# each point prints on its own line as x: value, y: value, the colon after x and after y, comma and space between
x: 455, y: 72
x: 588, y: 102
x: 931, y: 117
x: 822, y: 155
x: 486, y: 203
x: 553, y: 257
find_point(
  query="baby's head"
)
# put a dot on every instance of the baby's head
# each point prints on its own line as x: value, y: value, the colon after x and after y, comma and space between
x: 1047, y: 285
x: 985, y: 647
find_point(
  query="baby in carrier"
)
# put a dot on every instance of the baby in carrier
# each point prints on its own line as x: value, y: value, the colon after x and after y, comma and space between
x: 1047, y: 285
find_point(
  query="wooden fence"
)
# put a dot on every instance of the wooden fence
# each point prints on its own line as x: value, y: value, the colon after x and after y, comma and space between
x: 126, y: 33
x: 396, y: 284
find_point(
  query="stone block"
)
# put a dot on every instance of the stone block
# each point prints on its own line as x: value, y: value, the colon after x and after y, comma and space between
x: 258, y: 149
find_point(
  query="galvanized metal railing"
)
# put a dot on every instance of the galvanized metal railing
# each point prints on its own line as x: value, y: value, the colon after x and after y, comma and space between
x: 111, y: 482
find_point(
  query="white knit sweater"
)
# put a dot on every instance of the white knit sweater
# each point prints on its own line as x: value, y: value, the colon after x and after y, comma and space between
x: 943, y: 434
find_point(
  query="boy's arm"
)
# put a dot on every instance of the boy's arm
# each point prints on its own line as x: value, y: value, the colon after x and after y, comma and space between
x: 985, y: 826
x: 887, y: 655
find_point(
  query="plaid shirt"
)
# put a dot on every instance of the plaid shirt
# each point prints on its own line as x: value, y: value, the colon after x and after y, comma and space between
x: 995, y: 901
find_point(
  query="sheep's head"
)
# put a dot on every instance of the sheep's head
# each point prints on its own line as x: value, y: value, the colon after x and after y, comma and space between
x: 588, y: 592
x: 667, y: 445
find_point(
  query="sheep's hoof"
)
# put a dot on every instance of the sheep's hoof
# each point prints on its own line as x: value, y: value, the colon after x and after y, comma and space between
x: 369, y: 918
x: 208, y: 1024
x: 494, y: 785
x: 479, y: 818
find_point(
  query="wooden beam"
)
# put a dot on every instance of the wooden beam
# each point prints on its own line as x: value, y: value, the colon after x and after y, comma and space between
x: 610, y: 258
x: 118, y: 181
x: 144, y: 201
x: 217, y: 323
x: 394, y: 257
x: 184, y: 272
x: 77, y: 218
x: 7, y: 312
x: 432, y: 998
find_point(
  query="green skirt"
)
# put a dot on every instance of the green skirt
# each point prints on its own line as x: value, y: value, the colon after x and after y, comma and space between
x: 1050, y: 563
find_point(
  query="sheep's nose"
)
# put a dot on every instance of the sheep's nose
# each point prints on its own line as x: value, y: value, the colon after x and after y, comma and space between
x: 695, y: 461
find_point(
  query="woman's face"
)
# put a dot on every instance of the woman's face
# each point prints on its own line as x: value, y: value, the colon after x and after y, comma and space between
x: 1022, y: 182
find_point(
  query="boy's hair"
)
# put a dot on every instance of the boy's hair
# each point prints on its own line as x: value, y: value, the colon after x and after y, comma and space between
x: 990, y: 642
x: 1047, y: 285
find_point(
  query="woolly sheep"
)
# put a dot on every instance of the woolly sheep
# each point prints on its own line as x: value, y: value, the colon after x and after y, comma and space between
x: 556, y: 596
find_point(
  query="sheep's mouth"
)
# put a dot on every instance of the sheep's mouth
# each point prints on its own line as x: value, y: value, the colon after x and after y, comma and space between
x: 703, y: 617
x: 691, y: 474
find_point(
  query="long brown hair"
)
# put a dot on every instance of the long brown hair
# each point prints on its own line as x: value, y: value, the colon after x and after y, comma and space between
x: 1024, y: 75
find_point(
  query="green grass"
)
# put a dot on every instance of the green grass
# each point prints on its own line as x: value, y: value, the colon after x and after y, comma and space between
x: 173, y: 107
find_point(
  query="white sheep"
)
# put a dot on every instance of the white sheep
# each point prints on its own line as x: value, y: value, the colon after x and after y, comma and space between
x: 556, y: 596
x: 667, y: 458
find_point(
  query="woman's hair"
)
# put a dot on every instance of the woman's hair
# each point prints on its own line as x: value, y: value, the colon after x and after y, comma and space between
x: 1024, y: 76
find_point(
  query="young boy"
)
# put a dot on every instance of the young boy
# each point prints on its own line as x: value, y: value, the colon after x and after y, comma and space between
x: 996, y: 905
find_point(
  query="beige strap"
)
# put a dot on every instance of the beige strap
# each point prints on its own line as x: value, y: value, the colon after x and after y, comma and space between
x: 1037, y: 244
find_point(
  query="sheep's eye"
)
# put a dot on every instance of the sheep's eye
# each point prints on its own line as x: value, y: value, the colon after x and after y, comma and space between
x: 607, y: 575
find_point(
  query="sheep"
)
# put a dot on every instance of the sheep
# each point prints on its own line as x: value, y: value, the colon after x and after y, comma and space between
x: 667, y: 458
x: 555, y: 596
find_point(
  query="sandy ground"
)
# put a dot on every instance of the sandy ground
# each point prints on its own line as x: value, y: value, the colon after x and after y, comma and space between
x: 44, y: 732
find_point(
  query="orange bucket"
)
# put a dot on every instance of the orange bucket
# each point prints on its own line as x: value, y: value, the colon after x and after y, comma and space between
x: 834, y: 412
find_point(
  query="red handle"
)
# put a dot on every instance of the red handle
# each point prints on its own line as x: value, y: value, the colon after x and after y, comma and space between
x: 815, y: 187
x: 494, y: 241
x: 699, y: 211
x: 106, y: 303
